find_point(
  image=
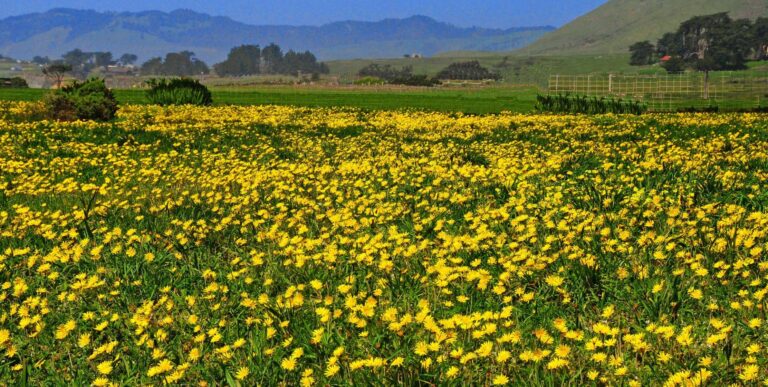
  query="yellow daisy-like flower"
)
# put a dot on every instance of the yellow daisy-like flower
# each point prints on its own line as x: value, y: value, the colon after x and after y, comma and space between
x: 749, y: 373
x: 554, y: 280
x: 500, y: 380
x: 288, y: 364
x: 242, y: 373
x: 100, y: 382
x: 84, y: 340
x: 331, y: 370
x: 63, y: 330
x: 105, y: 367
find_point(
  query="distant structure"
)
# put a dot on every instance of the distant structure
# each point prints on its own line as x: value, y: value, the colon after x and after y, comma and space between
x: 122, y: 69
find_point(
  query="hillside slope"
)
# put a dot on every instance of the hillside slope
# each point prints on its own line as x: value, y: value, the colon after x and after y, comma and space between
x: 617, y: 24
x: 152, y: 33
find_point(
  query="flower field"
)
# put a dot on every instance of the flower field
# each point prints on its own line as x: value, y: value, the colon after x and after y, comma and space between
x: 298, y: 246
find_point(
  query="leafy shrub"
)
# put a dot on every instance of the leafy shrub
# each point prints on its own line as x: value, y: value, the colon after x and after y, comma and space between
x: 467, y: 71
x: 370, y: 81
x: 13, y: 83
x: 89, y: 100
x: 395, y: 76
x: 385, y: 72
x: 178, y: 91
x: 576, y: 104
x: 415, y: 80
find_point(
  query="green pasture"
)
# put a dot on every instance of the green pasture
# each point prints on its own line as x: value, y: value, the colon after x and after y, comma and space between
x: 469, y: 100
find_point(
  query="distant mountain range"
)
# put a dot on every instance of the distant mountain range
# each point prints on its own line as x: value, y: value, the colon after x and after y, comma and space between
x: 614, y: 26
x: 153, y: 33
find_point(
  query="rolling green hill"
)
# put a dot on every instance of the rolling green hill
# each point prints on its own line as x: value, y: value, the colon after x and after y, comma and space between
x: 617, y: 24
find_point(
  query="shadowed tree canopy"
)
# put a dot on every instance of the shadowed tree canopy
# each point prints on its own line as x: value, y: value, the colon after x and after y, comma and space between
x: 297, y: 63
x: 128, y: 59
x: 470, y: 71
x: 176, y: 64
x: 83, y: 62
x: 708, y: 43
x: 386, y: 72
x: 242, y: 60
x: 41, y: 60
x: 272, y: 58
x: 251, y: 60
x: 760, y: 38
x: 102, y: 59
x: 642, y: 54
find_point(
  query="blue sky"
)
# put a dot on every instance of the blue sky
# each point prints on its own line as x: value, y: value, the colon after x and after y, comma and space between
x: 485, y: 13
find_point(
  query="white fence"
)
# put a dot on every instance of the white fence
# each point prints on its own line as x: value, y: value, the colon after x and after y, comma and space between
x: 664, y: 92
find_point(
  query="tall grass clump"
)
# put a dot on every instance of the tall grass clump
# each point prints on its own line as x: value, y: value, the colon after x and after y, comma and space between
x: 580, y: 104
x: 178, y: 91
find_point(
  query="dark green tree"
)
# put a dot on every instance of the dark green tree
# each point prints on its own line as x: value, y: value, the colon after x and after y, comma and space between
x: 102, y: 59
x: 674, y: 65
x: 153, y: 66
x: 176, y: 63
x: 760, y: 38
x: 128, y: 59
x: 271, y: 59
x: 242, y: 60
x: 76, y: 58
x: 669, y: 44
x: 642, y: 54
x: 710, y: 43
x: 296, y: 63
x: 81, y: 62
x: 41, y: 60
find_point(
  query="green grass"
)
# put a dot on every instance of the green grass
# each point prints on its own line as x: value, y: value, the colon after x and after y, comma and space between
x: 515, y: 68
x: 470, y: 100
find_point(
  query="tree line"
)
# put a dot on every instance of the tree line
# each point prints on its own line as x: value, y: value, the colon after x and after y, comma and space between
x: 183, y: 64
x: 242, y: 60
x: 252, y: 60
x: 467, y: 71
x: 81, y: 63
x: 706, y: 43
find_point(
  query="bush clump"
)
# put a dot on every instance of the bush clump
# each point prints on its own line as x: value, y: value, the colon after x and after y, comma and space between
x: 88, y: 100
x: 395, y: 76
x: 416, y: 80
x: 370, y: 81
x: 13, y: 83
x: 467, y: 71
x: 385, y: 72
x: 178, y: 91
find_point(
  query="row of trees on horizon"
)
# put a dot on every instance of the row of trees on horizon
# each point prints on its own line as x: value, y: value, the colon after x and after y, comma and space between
x: 241, y: 61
